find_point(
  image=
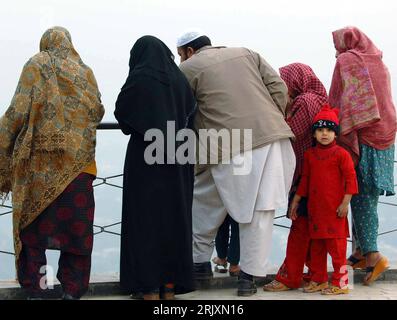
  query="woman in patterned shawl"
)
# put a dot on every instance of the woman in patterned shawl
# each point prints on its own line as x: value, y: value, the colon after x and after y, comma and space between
x: 47, y: 161
x: 307, y: 96
x: 361, y: 89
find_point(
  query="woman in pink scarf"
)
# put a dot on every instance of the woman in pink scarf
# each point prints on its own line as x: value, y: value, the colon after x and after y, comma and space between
x: 307, y: 96
x: 361, y: 89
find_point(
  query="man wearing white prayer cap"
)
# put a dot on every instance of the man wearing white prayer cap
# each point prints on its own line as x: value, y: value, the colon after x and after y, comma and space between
x: 236, y: 89
x: 195, y: 38
x: 189, y: 36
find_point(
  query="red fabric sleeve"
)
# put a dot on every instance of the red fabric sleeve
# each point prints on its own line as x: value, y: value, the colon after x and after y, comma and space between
x: 303, y: 188
x: 349, y: 174
x: 300, y: 122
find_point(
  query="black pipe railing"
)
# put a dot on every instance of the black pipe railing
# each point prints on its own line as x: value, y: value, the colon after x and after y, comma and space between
x: 108, y: 126
x: 105, y: 181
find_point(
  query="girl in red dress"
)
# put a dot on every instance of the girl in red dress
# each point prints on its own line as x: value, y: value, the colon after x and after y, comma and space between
x: 328, y: 181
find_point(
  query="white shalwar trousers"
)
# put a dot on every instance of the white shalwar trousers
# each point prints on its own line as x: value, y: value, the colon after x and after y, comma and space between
x: 250, y: 199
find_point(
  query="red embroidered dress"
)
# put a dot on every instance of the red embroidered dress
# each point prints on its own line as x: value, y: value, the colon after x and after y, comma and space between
x: 328, y: 174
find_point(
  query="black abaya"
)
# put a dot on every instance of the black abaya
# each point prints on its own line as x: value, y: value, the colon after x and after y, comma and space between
x: 156, y: 232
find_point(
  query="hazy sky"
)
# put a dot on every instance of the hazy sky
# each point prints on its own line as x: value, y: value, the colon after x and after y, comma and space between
x: 103, y: 32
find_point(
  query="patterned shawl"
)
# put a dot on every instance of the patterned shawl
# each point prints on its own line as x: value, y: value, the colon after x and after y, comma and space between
x: 309, y: 95
x: 361, y: 88
x: 48, y: 134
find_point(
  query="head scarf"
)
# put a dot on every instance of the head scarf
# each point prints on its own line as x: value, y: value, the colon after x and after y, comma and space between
x: 354, y: 40
x: 361, y: 89
x: 308, y: 95
x: 155, y: 92
x: 48, y: 133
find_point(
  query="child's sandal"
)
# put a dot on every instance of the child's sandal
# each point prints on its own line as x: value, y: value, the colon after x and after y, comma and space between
x: 275, y: 286
x: 333, y: 290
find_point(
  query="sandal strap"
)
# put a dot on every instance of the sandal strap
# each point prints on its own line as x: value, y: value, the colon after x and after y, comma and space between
x: 332, y: 289
x: 369, y: 269
x: 353, y: 259
x: 273, y: 284
x: 277, y: 284
x: 215, y: 259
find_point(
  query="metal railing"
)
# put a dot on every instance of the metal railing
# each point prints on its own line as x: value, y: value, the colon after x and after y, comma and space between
x: 107, y: 181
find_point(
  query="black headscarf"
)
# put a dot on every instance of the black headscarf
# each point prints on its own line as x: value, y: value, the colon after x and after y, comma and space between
x: 155, y: 92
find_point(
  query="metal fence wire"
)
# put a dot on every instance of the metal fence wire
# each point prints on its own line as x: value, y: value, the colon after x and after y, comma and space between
x: 108, y: 181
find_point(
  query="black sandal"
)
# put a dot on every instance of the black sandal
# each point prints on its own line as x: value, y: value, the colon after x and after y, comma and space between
x: 357, y: 263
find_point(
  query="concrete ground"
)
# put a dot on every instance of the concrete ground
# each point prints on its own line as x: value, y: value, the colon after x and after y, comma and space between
x: 379, y: 291
x: 223, y: 287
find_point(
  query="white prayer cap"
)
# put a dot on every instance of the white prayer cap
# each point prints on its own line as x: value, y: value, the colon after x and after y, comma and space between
x: 189, y: 36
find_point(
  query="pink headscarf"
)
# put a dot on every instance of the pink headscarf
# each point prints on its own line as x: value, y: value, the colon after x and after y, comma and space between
x: 361, y: 89
x: 309, y: 95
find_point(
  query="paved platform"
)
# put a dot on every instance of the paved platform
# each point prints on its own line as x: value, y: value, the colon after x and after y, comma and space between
x: 379, y: 291
x: 223, y: 287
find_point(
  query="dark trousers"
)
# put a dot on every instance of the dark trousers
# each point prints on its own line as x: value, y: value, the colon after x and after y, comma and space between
x: 73, y: 272
x: 229, y: 230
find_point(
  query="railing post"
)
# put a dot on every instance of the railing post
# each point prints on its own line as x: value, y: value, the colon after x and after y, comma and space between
x: 108, y: 126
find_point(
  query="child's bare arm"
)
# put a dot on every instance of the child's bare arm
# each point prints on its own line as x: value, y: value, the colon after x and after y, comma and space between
x: 343, y: 209
x: 293, y: 215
